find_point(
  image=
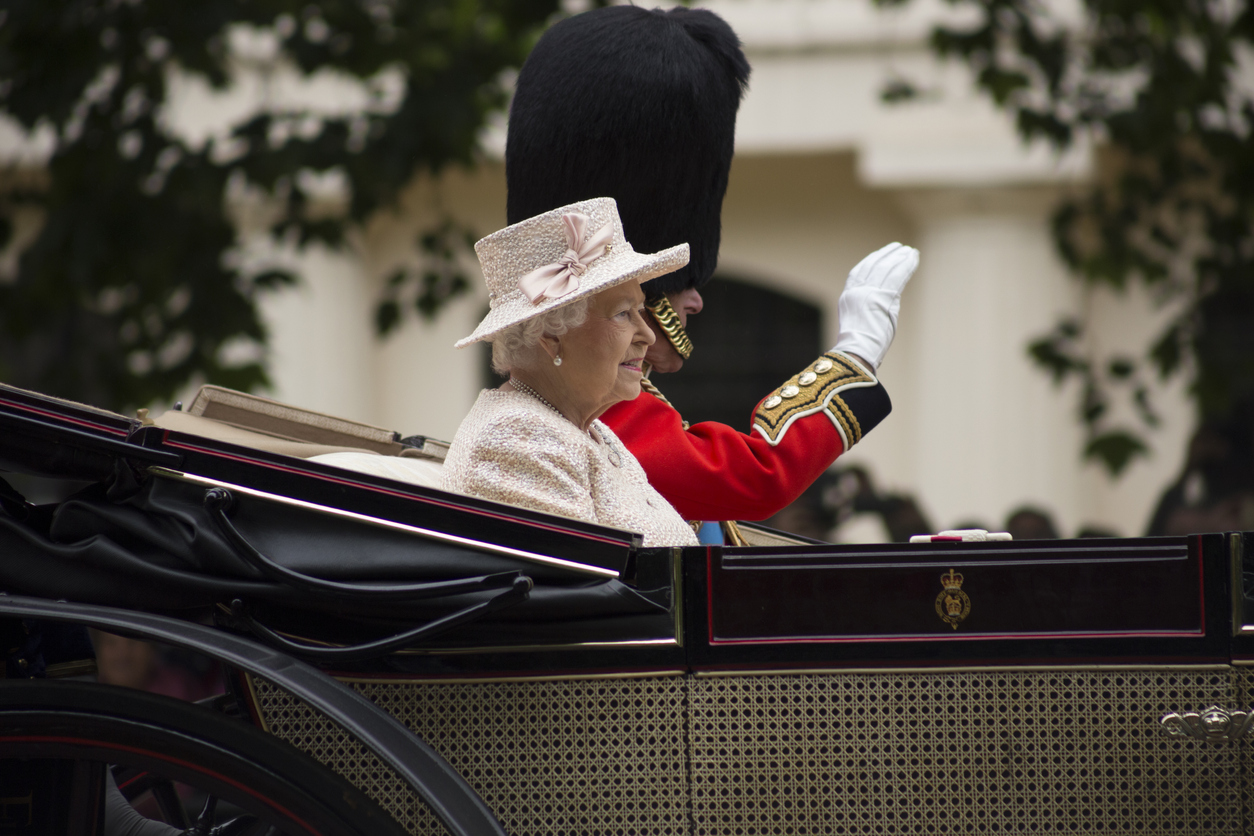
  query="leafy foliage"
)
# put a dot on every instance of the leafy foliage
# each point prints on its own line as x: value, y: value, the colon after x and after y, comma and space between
x: 1159, y: 85
x: 131, y: 288
x: 442, y: 279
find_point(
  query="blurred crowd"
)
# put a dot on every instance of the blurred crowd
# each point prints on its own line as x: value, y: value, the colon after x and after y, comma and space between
x: 1214, y: 492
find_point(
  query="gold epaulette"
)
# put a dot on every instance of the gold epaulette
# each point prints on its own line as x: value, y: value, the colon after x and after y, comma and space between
x: 824, y: 386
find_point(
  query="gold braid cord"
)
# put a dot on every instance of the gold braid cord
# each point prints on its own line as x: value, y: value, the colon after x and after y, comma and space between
x: 731, y: 531
x: 647, y: 385
x: 818, y: 388
x: 668, y: 321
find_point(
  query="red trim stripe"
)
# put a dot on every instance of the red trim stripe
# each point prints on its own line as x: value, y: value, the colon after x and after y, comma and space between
x: 67, y: 419
x: 1201, y: 583
x: 1163, y: 634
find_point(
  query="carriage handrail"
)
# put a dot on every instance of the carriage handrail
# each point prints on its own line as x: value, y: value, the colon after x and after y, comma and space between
x: 218, y: 502
x: 521, y: 585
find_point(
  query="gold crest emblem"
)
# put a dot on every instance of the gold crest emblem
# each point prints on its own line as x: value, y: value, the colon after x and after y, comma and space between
x: 952, y: 604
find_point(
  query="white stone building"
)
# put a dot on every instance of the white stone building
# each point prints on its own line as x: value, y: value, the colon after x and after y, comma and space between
x: 824, y: 173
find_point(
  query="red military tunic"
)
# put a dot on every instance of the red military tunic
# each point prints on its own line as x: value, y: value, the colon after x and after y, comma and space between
x: 710, y: 471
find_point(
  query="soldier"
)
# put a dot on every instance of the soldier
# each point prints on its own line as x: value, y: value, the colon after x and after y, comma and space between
x: 640, y: 105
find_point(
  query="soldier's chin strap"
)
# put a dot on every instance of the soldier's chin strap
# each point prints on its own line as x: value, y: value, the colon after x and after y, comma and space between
x: 668, y: 321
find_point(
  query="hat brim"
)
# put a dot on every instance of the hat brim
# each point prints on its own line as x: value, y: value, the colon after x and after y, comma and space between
x: 611, y: 270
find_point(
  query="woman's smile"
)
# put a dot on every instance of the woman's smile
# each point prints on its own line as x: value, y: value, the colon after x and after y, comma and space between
x: 602, y: 360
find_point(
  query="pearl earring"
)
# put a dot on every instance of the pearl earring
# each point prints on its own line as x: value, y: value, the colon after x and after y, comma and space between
x: 557, y: 361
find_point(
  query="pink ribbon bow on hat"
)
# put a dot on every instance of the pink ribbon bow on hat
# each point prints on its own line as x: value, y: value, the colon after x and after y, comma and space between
x: 557, y: 280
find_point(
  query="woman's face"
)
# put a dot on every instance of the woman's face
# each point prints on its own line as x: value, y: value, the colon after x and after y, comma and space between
x: 601, y: 359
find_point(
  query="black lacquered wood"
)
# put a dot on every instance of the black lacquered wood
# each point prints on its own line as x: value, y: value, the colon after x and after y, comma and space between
x: 1041, y: 602
x: 1242, y: 579
x: 71, y: 414
x: 1049, y: 588
x: 48, y: 437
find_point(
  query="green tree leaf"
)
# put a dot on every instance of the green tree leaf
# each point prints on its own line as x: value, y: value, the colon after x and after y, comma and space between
x: 128, y: 291
x: 1115, y: 449
x: 1160, y: 85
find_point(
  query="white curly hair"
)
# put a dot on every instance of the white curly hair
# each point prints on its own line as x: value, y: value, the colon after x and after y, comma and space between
x: 515, y: 347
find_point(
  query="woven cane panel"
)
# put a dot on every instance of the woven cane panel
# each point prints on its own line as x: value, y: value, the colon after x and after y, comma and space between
x: 1244, y: 678
x: 312, y: 732
x: 985, y: 752
x: 598, y: 756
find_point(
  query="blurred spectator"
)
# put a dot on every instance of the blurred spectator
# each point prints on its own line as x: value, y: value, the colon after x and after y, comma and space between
x: 1226, y: 512
x: 1092, y: 531
x: 840, y: 495
x: 805, y: 517
x: 1215, y: 492
x: 1029, y: 523
x: 853, y: 492
x: 811, y: 514
x: 135, y: 664
x: 967, y: 525
x: 902, y: 517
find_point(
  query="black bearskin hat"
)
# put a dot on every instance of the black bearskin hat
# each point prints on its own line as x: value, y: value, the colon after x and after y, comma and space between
x: 638, y: 105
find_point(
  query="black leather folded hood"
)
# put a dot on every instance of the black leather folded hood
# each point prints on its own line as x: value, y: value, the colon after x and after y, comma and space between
x: 152, y: 545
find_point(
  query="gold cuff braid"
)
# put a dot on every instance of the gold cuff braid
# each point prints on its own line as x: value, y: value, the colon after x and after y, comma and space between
x: 817, y: 388
x: 668, y: 321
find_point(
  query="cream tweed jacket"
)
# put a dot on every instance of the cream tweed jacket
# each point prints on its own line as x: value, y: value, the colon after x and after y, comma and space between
x: 514, y: 449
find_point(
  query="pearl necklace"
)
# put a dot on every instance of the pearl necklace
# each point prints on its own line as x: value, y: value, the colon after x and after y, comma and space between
x: 614, y: 458
x: 525, y: 389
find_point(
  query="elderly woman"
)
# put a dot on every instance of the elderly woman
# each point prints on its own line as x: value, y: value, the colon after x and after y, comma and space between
x: 566, y: 324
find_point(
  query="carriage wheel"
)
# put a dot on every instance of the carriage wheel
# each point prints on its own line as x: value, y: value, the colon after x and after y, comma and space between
x: 84, y: 724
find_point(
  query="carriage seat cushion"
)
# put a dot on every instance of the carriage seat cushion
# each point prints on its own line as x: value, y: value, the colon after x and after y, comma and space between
x: 424, y: 472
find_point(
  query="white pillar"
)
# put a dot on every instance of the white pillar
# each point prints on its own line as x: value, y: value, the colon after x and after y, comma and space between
x: 428, y: 386
x: 989, y: 429
x: 322, y: 343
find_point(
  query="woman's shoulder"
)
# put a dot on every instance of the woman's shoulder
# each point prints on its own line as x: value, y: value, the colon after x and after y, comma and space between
x: 510, y: 419
x: 498, y: 407
x: 512, y: 433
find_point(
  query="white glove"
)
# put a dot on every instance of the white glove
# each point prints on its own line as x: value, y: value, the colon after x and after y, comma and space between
x: 872, y: 297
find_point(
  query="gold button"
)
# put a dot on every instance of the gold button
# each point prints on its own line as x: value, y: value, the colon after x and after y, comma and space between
x: 773, y: 401
x: 789, y: 391
x: 823, y: 365
x: 807, y: 378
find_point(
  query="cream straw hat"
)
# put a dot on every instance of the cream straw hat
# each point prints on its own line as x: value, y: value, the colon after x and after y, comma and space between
x: 559, y: 257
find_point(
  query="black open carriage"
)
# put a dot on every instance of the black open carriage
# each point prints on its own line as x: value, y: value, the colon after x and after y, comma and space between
x: 405, y: 659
